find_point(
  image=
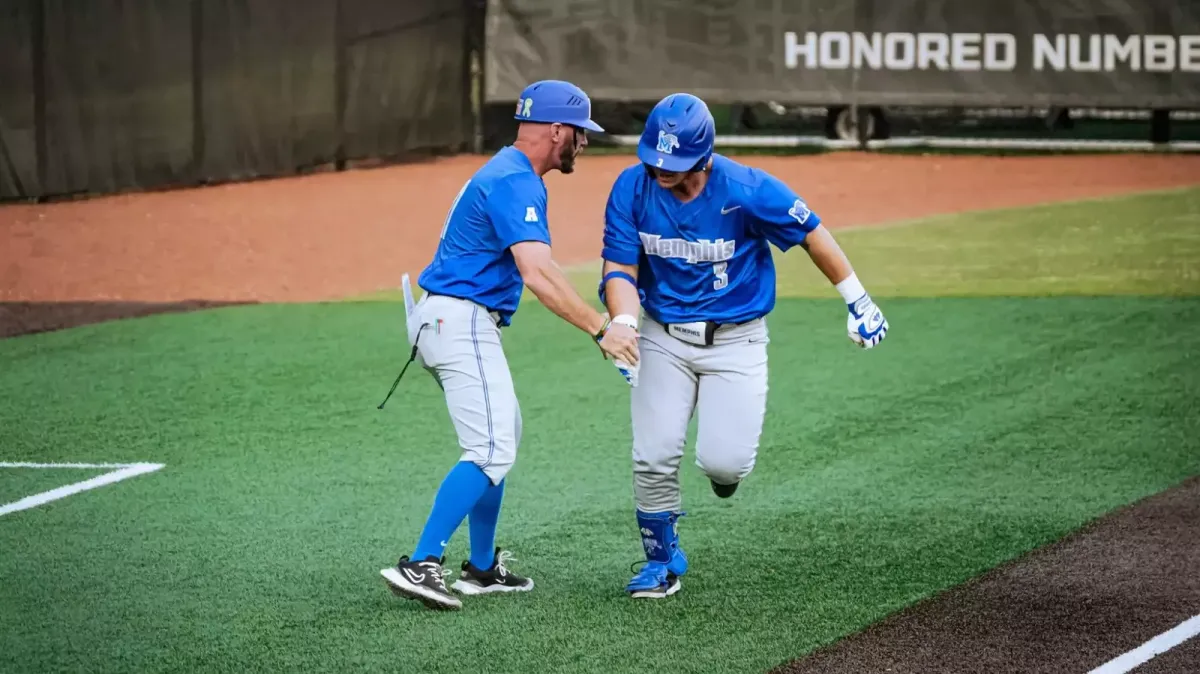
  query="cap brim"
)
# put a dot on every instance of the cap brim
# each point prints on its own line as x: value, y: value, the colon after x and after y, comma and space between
x: 592, y: 126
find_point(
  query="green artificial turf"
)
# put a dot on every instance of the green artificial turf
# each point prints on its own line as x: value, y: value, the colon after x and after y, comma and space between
x: 985, y: 428
x: 982, y: 428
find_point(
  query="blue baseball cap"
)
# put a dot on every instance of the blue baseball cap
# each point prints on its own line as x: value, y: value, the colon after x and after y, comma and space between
x: 551, y: 101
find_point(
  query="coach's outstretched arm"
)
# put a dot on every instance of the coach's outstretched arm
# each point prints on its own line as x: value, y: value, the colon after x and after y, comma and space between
x: 786, y: 221
x: 546, y: 280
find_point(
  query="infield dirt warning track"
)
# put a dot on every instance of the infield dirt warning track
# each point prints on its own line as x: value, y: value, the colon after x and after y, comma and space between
x: 330, y: 235
x: 1077, y: 605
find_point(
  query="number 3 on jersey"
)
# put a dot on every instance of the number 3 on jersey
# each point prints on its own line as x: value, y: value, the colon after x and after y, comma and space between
x: 453, y: 205
x: 722, y: 278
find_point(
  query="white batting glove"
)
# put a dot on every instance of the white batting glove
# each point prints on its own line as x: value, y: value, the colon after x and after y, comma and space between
x: 630, y: 372
x: 865, y: 325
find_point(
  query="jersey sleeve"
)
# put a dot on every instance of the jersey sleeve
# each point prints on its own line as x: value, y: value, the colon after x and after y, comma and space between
x: 779, y: 215
x: 621, y: 242
x: 517, y: 209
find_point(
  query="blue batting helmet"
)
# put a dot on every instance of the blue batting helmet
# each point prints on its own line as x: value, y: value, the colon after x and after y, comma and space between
x: 679, y: 134
x: 550, y: 101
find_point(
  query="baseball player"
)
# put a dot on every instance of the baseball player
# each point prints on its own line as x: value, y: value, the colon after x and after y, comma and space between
x: 494, y: 241
x: 687, y: 239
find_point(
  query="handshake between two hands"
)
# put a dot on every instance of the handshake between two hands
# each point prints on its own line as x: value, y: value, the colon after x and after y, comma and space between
x: 620, y: 342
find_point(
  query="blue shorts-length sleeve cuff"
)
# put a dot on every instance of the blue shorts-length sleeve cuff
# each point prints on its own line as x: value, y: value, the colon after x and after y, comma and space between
x: 540, y: 238
x: 619, y: 256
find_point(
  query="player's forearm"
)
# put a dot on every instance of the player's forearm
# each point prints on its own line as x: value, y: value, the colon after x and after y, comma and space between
x: 621, y: 296
x: 548, y: 283
x: 827, y: 255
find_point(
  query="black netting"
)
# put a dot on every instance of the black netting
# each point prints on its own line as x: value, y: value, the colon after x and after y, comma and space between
x: 107, y: 95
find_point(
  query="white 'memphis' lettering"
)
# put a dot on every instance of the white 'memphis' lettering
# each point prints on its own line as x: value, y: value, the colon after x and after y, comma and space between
x: 703, y: 250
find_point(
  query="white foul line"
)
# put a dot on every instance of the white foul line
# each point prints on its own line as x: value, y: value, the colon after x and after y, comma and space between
x: 22, y: 464
x: 1159, y: 644
x: 125, y: 471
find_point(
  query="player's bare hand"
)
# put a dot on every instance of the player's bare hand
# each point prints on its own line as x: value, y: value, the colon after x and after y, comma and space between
x: 621, y: 342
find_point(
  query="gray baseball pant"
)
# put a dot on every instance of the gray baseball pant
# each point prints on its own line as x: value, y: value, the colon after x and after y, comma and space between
x: 726, y: 383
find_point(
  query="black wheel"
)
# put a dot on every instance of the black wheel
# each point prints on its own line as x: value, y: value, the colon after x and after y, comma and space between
x: 841, y: 124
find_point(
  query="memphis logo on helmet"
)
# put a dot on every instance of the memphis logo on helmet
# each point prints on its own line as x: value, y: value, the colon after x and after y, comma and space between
x: 667, y: 142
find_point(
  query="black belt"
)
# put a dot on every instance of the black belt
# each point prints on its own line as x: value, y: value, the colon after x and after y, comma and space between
x: 709, y: 328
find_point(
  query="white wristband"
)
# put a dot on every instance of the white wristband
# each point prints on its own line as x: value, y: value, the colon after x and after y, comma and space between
x: 851, y: 289
x: 625, y: 319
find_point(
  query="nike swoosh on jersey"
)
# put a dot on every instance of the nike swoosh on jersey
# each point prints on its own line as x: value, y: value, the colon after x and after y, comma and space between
x: 726, y: 211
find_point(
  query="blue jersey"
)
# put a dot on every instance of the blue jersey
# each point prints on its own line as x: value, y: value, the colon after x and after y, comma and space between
x: 708, y: 259
x: 502, y: 204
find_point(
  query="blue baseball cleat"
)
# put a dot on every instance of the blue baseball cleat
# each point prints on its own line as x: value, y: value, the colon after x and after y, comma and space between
x: 665, y: 559
x: 657, y: 580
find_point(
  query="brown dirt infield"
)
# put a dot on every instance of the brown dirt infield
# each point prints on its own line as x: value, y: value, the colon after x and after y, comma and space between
x: 1067, y: 608
x: 330, y: 235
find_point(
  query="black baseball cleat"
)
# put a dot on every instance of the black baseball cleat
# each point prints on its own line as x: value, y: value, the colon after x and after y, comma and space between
x: 474, y: 580
x: 423, y: 581
x: 723, y: 490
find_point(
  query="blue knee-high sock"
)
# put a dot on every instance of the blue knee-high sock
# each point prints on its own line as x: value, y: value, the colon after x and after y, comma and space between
x: 460, y: 491
x: 483, y: 527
